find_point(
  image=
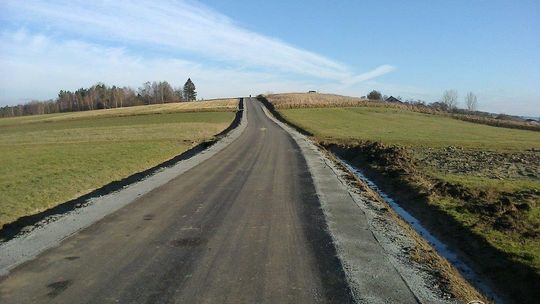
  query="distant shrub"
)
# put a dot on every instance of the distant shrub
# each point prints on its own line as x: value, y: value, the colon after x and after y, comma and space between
x: 374, y: 95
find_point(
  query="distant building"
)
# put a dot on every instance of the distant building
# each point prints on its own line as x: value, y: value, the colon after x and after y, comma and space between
x: 312, y: 91
x: 392, y: 99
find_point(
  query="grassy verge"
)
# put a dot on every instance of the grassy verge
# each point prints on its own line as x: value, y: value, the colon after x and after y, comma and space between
x: 49, y: 159
x: 475, y: 186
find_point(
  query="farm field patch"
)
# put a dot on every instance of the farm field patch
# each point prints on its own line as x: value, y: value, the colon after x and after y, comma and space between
x: 49, y: 159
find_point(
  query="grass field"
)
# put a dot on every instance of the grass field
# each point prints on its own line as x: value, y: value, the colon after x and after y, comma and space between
x: 426, y: 134
x: 49, y: 159
x: 490, y: 175
x: 397, y: 126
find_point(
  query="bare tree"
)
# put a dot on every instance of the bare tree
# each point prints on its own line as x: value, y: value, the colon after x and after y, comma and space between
x: 471, y: 101
x: 450, y: 99
x: 146, y: 93
x: 179, y: 93
x: 167, y: 92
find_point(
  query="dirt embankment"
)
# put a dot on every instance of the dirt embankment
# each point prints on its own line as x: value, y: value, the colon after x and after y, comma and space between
x: 489, y: 164
x: 402, y: 175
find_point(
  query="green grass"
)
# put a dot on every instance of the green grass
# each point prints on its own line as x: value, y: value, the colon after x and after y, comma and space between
x: 396, y: 126
x: 46, y: 161
x: 421, y: 132
x: 484, y: 183
x: 523, y: 250
x: 418, y: 131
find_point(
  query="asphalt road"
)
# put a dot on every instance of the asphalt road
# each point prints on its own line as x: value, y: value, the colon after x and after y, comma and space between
x: 244, y: 226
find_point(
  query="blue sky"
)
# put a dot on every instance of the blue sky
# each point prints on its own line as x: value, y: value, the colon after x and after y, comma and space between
x: 414, y: 49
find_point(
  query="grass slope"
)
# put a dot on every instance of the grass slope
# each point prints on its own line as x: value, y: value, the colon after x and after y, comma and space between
x: 49, y: 159
x: 312, y: 100
x: 395, y: 126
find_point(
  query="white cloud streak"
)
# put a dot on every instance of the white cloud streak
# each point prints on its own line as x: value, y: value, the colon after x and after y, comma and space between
x: 144, y: 31
x: 379, y: 71
x: 37, y: 67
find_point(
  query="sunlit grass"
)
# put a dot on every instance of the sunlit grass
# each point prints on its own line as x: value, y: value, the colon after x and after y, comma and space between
x: 429, y: 132
x: 49, y: 159
x: 403, y: 127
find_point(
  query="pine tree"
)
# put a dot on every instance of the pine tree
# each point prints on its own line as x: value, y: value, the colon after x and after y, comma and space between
x: 189, y: 91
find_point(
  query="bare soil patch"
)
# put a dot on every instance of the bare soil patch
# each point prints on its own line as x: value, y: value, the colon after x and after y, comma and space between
x: 398, y: 172
x: 490, y: 164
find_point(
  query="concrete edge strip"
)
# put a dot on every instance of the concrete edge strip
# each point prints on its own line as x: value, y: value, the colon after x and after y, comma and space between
x: 24, y: 248
x: 355, y: 244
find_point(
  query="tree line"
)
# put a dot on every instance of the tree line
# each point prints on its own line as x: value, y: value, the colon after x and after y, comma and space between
x: 448, y: 102
x: 101, y: 96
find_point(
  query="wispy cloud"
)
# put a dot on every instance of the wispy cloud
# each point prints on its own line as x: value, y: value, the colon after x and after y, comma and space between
x: 141, y: 34
x: 37, y: 66
x: 379, y: 71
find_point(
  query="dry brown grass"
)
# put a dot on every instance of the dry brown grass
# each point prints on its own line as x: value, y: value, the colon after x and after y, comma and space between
x: 215, y: 105
x: 318, y: 100
x: 303, y: 100
x: 498, y: 122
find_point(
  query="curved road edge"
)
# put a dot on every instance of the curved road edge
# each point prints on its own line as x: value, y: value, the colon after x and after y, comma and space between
x: 25, y: 247
x: 369, y: 250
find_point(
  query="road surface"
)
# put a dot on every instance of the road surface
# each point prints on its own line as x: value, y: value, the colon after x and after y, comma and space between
x: 244, y: 226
